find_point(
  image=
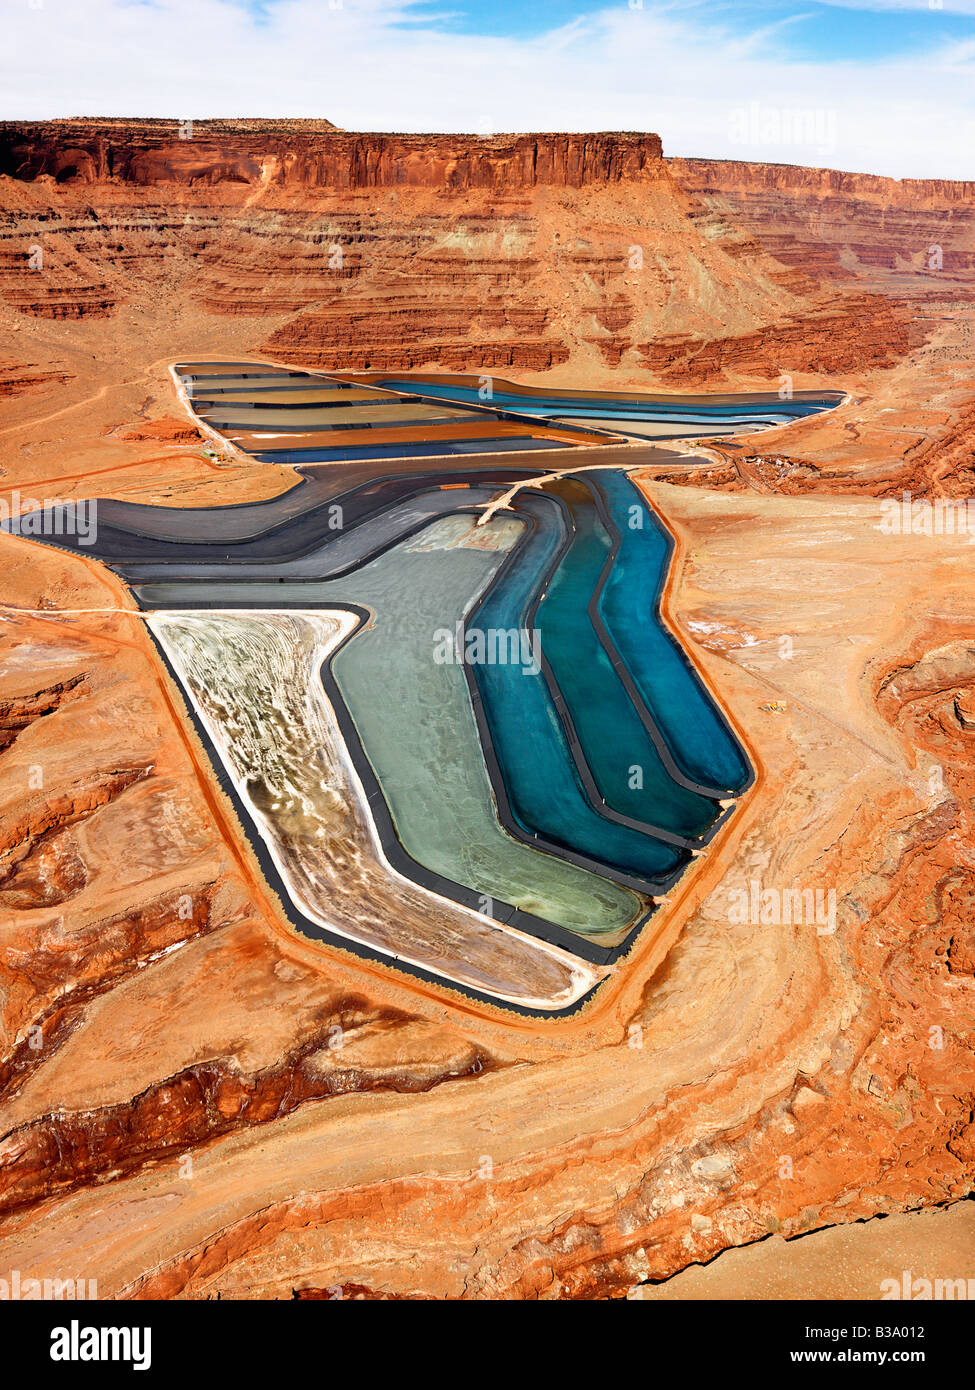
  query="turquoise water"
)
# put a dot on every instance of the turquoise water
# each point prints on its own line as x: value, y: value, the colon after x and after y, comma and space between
x: 612, y: 754
x: 544, y: 791
x: 548, y: 406
x: 697, y: 736
x: 626, y: 767
x: 417, y: 726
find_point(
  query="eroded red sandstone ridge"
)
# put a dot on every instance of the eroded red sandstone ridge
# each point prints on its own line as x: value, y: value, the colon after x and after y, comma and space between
x: 315, y: 154
x: 859, y: 220
x: 912, y: 427
x: 393, y: 251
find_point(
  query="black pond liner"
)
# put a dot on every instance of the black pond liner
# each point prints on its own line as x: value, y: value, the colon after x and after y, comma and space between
x: 438, y: 421
x: 636, y: 699
x: 196, y: 586
x: 253, y: 549
x: 467, y: 897
x: 536, y: 927
x: 655, y: 832
x: 443, y: 448
x: 660, y: 742
x: 381, y: 402
x: 281, y: 374
x: 255, y: 575
x: 256, y: 428
x: 284, y: 384
x: 732, y: 403
x: 533, y: 423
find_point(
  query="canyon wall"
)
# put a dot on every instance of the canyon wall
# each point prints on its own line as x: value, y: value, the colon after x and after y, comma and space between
x: 586, y: 257
x: 837, y: 224
x: 706, y: 175
x: 575, y: 252
x: 315, y: 154
x: 910, y: 242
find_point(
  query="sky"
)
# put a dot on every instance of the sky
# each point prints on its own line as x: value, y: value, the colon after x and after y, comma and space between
x: 883, y: 86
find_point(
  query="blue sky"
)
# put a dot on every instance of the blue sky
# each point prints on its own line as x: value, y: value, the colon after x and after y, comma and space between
x: 801, y: 30
x: 886, y: 86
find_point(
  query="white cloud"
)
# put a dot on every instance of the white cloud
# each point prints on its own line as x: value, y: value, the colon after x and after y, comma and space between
x: 945, y: 7
x: 706, y: 89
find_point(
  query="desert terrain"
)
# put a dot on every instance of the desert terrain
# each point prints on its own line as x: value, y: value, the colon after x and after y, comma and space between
x: 175, y: 1120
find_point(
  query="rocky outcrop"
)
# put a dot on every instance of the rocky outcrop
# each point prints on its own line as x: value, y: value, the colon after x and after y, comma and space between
x: 315, y: 155
x: 166, y: 430
x: 384, y: 334
x: 910, y: 244
x: 19, y: 835
x: 17, y: 380
x: 18, y: 712
x: 179, y: 1114
x: 716, y: 175
x: 47, y: 992
x: 841, y: 225
x: 866, y: 326
x: 394, y: 252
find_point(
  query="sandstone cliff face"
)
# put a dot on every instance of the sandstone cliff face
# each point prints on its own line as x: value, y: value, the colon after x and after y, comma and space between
x: 911, y: 242
x: 723, y: 174
x: 839, y: 224
x: 315, y: 154
x: 515, y: 252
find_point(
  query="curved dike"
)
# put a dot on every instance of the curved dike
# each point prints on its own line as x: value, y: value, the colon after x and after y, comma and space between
x: 121, y: 541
